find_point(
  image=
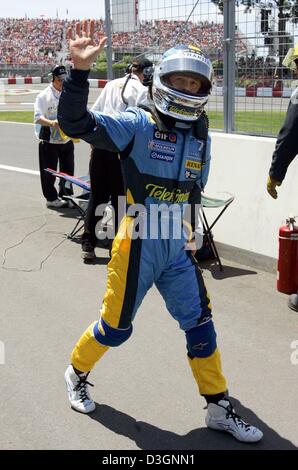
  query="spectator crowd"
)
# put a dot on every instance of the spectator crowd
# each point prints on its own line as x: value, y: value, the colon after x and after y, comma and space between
x: 39, y: 40
x: 30, y: 41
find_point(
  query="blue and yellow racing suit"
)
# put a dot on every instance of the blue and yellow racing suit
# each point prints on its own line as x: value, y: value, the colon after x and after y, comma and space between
x: 162, y: 168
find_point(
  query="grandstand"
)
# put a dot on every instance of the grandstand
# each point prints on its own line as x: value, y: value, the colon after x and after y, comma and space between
x: 40, y: 41
x: 30, y: 41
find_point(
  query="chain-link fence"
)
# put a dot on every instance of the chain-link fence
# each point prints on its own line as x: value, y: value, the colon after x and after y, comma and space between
x: 25, y: 70
x: 247, y: 41
x: 158, y: 25
x: 263, y: 85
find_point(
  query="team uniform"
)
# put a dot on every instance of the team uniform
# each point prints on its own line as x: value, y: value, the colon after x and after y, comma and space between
x: 286, y: 147
x: 105, y: 171
x: 52, y: 147
x: 165, y: 155
x: 160, y: 167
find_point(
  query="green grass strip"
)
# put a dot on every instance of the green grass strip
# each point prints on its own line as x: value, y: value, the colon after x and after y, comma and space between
x: 17, y: 116
x: 250, y: 122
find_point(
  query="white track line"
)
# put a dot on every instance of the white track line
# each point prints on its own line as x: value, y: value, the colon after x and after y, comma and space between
x: 14, y: 122
x: 19, y: 170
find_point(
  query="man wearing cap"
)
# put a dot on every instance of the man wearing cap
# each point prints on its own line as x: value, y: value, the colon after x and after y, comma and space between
x: 53, y: 147
x: 286, y: 147
x: 105, y: 171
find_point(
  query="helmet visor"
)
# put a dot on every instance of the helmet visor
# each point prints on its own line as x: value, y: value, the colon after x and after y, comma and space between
x: 186, y: 82
x: 201, y: 68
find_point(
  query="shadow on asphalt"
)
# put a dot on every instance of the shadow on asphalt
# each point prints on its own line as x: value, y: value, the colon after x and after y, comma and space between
x: 98, y: 260
x: 68, y: 213
x: 150, y: 437
x: 228, y: 271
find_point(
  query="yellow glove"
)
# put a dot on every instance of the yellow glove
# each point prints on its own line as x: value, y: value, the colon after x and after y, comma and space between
x: 271, y: 187
x: 65, y: 137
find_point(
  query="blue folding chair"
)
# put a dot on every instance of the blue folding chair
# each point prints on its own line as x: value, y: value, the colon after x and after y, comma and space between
x: 80, y: 202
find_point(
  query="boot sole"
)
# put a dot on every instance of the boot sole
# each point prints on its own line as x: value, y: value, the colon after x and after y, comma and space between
x: 292, y: 307
x: 88, y: 256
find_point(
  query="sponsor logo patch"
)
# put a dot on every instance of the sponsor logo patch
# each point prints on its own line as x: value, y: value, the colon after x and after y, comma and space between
x: 192, y: 165
x: 162, y: 156
x: 165, y: 136
x: 164, y: 194
x: 161, y: 146
x: 190, y: 175
x: 180, y: 110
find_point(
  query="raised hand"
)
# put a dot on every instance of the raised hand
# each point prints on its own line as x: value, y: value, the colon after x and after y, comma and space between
x: 82, y: 49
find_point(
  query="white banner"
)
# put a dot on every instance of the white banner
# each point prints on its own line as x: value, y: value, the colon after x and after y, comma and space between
x: 124, y: 15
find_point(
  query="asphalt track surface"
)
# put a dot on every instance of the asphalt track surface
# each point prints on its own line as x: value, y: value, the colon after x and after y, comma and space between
x: 145, y: 393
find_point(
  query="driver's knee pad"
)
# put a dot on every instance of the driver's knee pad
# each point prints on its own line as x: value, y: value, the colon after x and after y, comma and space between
x: 109, y: 336
x: 201, y: 340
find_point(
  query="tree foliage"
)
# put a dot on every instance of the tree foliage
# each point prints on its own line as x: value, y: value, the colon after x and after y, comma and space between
x: 101, y: 63
x: 287, y: 11
x: 288, y: 8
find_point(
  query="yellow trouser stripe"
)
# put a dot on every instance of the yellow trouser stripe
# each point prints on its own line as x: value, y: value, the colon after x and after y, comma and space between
x: 208, y: 374
x: 87, y: 351
x: 117, y: 274
x: 208, y: 297
x: 129, y: 197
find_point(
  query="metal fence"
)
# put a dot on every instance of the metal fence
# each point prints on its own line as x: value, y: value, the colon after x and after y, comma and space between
x: 247, y: 41
x: 262, y: 84
x: 25, y: 70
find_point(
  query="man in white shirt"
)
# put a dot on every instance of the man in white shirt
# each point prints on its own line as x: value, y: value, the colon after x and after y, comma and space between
x: 53, y: 147
x: 105, y: 170
x: 126, y: 91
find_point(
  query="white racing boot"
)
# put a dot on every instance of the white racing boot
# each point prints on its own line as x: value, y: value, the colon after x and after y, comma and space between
x: 222, y: 417
x: 78, y: 393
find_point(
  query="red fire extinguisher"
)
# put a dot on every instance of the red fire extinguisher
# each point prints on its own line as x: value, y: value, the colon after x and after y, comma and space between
x: 287, y: 267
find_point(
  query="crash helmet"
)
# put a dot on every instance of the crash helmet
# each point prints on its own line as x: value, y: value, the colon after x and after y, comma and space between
x: 182, y: 105
x: 291, y: 58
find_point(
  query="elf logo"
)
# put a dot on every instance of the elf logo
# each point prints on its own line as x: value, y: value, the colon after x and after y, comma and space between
x: 165, y: 136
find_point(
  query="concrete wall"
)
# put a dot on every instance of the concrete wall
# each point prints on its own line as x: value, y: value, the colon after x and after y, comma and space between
x: 240, y: 166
